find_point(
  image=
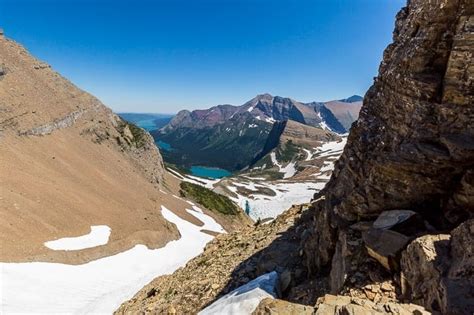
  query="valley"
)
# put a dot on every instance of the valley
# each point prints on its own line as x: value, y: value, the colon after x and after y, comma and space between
x: 357, y: 205
x: 236, y: 138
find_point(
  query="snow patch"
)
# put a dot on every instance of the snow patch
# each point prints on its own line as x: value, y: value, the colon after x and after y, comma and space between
x: 266, y: 206
x: 309, y: 155
x: 99, y: 235
x: 245, y: 299
x: 99, y: 286
x: 270, y: 120
x: 205, y: 182
x: 288, y: 171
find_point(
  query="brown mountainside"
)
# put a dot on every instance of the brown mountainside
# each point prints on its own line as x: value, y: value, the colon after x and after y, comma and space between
x: 67, y: 163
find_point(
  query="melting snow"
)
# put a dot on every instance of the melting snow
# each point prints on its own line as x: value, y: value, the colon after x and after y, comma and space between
x: 288, y: 171
x: 286, y: 194
x: 245, y: 299
x: 309, y: 155
x: 323, y: 124
x: 99, y: 235
x: 331, y: 148
x: 99, y: 286
x: 208, y: 183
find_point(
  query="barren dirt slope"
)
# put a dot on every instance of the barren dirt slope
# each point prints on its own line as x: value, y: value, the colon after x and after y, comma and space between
x: 67, y: 163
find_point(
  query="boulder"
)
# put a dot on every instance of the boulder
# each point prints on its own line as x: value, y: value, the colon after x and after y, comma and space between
x: 385, y: 246
x: 437, y: 271
x: 274, y: 306
x: 407, y: 222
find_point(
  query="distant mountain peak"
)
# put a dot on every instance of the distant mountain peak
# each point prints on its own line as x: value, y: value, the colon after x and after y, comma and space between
x: 352, y: 99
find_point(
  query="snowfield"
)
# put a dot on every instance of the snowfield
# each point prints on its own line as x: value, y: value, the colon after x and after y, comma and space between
x: 286, y: 195
x: 288, y: 171
x: 100, y: 286
x: 99, y: 235
x: 245, y: 299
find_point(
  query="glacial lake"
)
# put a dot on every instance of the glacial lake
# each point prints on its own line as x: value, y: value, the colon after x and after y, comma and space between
x: 147, y: 124
x: 209, y: 172
x: 163, y: 145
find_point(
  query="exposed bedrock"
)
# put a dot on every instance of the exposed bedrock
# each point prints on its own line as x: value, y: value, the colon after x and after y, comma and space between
x: 413, y: 145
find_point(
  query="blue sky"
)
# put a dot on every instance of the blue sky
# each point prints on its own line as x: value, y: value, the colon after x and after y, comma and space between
x: 167, y: 55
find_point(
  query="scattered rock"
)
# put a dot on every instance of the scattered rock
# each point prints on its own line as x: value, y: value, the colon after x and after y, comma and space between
x: 280, y: 307
x: 332, y: 304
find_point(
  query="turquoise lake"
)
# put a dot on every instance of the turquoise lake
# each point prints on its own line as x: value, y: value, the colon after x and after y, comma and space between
x: 163, y: 145
x: 209, y: 172
x: 147, y: 124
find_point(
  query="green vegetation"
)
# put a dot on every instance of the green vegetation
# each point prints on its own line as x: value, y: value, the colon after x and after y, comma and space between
x: 138, y: 135
x: 208, y: 198
x: 288, y: 152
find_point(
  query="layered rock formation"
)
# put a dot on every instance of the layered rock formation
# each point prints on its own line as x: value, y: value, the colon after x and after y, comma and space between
x: 413, y: 145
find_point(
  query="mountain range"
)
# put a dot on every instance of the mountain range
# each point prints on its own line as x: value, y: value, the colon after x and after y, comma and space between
x: 236, y: 137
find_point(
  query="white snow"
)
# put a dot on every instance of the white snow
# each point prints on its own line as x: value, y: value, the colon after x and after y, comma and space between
x: 208, y: 183
x: 286, y: 195
x: 331, y: 148
x: 253, y: 126
x: 323, y: 124
x: 245, y: 299
x: 209, y: 223
x: 100, y: 286
x: 274, y: 160
x: 270, y: 120
x: 250, y: 109
x: 288, y: 171
x: 309, y: 155
x: 99, y: 235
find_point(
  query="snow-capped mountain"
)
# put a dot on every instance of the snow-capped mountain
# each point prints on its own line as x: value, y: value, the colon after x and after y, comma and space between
x: 236, y: 137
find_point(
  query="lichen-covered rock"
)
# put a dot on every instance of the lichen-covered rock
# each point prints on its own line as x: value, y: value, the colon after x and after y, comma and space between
x: 413, y: 145
x: 438, y: 271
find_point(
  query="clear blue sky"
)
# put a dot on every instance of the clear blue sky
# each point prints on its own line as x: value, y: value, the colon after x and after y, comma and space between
x: 163, y: 56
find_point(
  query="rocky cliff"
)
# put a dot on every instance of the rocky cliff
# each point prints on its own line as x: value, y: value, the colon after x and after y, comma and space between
x: 413, y: 145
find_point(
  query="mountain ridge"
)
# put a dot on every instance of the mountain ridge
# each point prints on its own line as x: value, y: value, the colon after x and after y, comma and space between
x: 235, y: 137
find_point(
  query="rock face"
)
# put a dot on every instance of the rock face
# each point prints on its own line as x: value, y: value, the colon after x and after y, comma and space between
x: 413, y: 145
x: 438, y: 271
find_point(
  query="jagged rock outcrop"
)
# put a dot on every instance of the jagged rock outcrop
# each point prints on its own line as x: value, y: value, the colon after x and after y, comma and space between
x: 413, y: 145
